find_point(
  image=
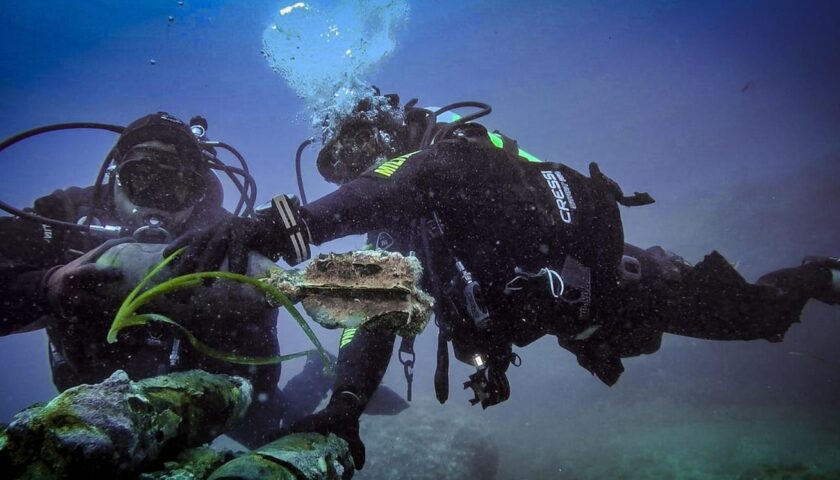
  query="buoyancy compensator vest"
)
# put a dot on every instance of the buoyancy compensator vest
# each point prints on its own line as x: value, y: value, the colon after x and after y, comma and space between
x: 463, y: 317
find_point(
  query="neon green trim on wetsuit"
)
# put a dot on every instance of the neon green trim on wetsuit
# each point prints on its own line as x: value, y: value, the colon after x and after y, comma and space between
x: 528, y: 156
x: 388, y: 168
x: 496, y: 139
x: 499, y: 142
x: 347, y: 336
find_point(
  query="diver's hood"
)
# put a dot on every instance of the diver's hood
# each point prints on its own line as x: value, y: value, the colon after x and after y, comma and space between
x: 356, y: 148
x: 164, y: 128
x: 376, y: 130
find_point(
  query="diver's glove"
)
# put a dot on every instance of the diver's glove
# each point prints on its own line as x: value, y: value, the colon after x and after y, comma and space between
x: 340, y: 417
x: 277, y: 232
x: 79, y: 284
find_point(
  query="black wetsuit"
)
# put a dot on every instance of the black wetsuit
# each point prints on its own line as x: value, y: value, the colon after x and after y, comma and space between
x: 79, y: 352
x: 498, y: 211
x: 29, y: 250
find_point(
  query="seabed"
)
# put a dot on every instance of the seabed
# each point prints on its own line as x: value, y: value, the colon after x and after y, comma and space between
x: 646, y: 439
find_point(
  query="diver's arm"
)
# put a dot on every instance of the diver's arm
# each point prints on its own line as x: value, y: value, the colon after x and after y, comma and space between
x: 22, y: 298
x: 207, y: 216
x: 374, y: 201
x: 29, y: 251
x: 23, y: 302
x: 281, y: 229
x: 362, y: 361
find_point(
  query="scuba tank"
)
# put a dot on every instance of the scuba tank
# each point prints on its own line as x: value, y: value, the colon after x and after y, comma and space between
x: 134, y: 260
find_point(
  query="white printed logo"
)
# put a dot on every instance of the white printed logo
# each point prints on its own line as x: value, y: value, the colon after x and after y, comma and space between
x: 48, y: 233
x: 562, y: 194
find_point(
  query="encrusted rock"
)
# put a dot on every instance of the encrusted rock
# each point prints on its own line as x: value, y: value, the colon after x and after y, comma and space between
x: 117, y: 427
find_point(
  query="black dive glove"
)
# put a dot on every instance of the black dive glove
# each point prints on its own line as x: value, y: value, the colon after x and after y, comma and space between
x: 277, y: 232
x: 340, y: 417
x: 78, y: 286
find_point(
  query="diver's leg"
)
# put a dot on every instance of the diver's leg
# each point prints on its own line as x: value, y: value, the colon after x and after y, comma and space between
x: 817, y: 278
x: 632, y: 316
x: 657, y: 264
x: 713, y: 301
x: 306, y: 390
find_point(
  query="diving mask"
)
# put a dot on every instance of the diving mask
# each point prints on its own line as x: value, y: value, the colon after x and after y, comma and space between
x: 158, y: 179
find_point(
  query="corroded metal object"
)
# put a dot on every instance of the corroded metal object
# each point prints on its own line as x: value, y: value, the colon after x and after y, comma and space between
x: 118, y: 427
x: 374, y: 288
x: 299, y: 456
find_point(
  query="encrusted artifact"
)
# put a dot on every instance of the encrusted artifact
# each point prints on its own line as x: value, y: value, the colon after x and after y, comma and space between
x: 375, y: 288
x: 299, y: 456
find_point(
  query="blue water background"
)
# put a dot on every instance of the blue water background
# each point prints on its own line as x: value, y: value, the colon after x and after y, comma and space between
x: 727, y: 112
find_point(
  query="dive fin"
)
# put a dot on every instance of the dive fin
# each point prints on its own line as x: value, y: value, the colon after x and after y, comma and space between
x: 306, y: 390
x: 830, y: 293
x: 385, y: 402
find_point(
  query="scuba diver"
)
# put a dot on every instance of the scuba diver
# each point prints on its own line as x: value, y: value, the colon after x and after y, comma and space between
x: 157, y: 182
x: 513, y: 248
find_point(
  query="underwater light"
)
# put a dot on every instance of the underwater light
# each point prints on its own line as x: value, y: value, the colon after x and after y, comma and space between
x: 478, y: 361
